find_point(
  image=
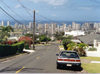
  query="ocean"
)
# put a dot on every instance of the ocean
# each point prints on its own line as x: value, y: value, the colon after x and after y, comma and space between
x: 49, y: 22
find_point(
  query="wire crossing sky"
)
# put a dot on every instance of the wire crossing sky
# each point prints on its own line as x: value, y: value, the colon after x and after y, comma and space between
x: 58, y: 10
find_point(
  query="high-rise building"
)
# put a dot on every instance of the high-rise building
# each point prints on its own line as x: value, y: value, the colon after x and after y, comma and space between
x: 2, y: 23
x: 75, y: 26
x: 8, y: 23
x: 69, y: 27
x: 58, y: 28
x: 46, y: 27
x: 40, y: 29
x: 64, y: 27
x: 30, y: 25
x: 96, y: 25
x: 87, y: 26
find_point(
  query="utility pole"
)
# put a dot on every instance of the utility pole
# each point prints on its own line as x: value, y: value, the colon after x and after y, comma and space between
x: 34, y: 30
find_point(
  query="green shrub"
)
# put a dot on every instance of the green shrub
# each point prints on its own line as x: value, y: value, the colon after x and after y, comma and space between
x: 44, y: 38
x: 92, y: 49
x: 19, y: 46
x: 6, y: 50
x: 26, y: 46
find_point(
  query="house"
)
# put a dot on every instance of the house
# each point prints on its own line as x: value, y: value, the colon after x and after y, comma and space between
x: 93, y: 40
x: 75, y: 33
x: 13, y: 38
x: 97, y: 44
x: 76, y: 40
x: 89, y: 38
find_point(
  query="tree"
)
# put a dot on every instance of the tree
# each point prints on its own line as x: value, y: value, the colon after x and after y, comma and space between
x: 69, y: 37
x: 6, y: 29
x: 44, y: 38
x: 65, y: 42
x: 72, y: 46
x: 5, y: 32
x: 28, y: 35
x: 59, y: 35
x: 81, y: 49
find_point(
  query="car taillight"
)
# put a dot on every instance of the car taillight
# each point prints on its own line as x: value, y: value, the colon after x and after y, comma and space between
x: 78, y: 60
x: 60, y: 59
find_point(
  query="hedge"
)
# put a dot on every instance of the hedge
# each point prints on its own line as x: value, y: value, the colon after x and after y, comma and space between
x: 19, y: 46
x: 6, y: 50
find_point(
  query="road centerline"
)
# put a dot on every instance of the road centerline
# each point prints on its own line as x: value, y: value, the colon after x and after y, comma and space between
x: 20, y: 70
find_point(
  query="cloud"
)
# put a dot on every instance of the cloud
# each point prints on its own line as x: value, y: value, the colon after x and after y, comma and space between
x: 54, y: 15
x: 18, y: 6
x: 51, y: 2
x: 85, y: 8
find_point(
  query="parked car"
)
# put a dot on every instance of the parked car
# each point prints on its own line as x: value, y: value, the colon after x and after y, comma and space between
x: 68, y: 58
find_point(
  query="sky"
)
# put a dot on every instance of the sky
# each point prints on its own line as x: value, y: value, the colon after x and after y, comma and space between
x: 57, y: 10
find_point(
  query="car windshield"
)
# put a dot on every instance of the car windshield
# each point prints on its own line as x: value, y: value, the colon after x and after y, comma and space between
x: 69, y: 55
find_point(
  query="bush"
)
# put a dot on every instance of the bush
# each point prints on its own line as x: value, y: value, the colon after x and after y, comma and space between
x: 6, y: 50
x: 20, y: 46
x: 26, y: 46
x: 92, y: 49
x: 44, y: 38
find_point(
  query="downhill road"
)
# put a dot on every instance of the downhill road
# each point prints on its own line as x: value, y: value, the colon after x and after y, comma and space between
x: 43, y: 60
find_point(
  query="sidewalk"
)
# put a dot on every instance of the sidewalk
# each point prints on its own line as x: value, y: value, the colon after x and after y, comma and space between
x: 28, y: 51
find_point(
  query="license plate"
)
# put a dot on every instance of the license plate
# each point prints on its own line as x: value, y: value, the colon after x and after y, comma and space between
x: 69, y: 64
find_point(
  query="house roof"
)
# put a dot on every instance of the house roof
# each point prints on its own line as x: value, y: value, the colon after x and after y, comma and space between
x: 89, y: 38
x: 24, y: 38
x: 76, y: 41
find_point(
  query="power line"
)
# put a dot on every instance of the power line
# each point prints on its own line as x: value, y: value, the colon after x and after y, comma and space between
x: 11, y: 10
x: 44, y: 17
x: 28, y: 9
x: 9, y: 15
x: 25, y: 8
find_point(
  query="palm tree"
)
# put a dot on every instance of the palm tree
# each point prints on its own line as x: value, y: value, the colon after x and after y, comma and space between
x: 81, y: 49
x: 72, y: 46
x: 5, y: 32
x: 6, y: 29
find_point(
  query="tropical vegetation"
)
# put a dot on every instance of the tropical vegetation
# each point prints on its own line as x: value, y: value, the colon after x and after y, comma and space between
x: 5, y: 32
x: 6, y: 50
x: 92, y: 49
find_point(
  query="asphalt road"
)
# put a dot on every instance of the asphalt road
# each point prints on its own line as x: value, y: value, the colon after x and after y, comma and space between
x: 43, y: 60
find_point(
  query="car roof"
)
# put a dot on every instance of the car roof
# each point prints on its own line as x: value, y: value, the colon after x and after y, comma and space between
x: 68, y: 51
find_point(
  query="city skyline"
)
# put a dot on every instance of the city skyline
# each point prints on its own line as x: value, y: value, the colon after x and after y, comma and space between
x: 63, y: 10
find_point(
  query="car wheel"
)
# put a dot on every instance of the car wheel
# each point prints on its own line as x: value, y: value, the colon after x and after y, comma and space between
x: 58, y: 66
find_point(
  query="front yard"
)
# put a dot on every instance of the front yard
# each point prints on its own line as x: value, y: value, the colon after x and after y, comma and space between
x: 90, y: 67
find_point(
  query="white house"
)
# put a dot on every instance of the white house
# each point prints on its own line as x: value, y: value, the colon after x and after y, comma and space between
x: 13, y: 38
x: 75, y: 33
x: 97, y: 45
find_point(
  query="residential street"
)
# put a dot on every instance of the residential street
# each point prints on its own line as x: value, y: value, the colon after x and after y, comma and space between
x: 43, y: 60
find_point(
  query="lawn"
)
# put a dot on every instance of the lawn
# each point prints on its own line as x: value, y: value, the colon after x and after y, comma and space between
x: 91, y: 67
x: 91, y: 58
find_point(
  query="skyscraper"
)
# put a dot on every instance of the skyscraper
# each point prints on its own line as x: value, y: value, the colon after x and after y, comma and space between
x: 75, y: 26
x: 8, y: 23
x: 2, y: 23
